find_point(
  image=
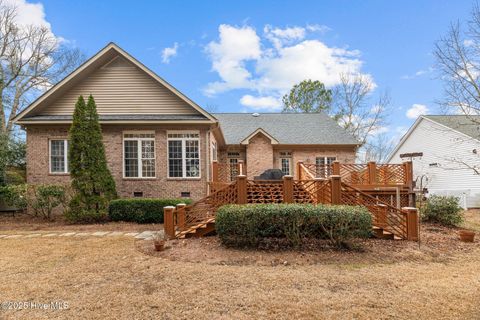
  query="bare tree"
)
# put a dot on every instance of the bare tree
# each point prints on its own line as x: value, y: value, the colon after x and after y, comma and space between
x: 356, y: 110
x: 32, y: 59
x: 458, y: 62
x: 377, y: 148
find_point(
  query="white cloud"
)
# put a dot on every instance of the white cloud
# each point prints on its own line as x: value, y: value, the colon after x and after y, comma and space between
x: 279, y: 37
x: 271, y: 65
x: 261, y: 103
x: 169, y: 52
x: 309, y: 59
x: 468, y: 42
x: 417, y: 74
x: 317, y: 28
x: 29, y: 13
x: 228, y: 55
x: 416, y: 110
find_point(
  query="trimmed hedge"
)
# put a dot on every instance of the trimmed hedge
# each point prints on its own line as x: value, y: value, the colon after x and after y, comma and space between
x: 141, y: 210
x: 249, y: 225
x: 445, y: 210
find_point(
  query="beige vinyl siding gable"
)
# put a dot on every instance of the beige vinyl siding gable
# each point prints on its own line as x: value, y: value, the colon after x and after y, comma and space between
x: 120, y: 87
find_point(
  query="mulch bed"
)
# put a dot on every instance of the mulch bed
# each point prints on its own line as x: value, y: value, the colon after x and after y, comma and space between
x: 438, y: 244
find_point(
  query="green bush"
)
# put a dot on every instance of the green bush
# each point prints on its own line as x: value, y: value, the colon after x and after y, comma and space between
x: 85, y: 216
x: 141, y: 210
x: 250, y: 225
x: 442, y: 209
x: 14, y: 195
x: 45, y: 198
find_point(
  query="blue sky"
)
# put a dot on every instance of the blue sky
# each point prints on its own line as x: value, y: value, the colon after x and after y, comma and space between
x: 240, y: 56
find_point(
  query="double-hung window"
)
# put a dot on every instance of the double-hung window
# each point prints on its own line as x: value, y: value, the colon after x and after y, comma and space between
x: 139, y: 154
x: 59, y: 156
x: 286, y: 163
x: 233, y: 158
x: 183, y: 154
x: 324, y: 166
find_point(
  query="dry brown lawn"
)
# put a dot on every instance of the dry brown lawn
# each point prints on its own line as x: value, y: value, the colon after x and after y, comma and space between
x: 21, y: 223
x: 118, y: 278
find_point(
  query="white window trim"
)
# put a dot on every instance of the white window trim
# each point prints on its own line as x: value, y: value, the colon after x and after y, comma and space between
x: 65, y: 156
x: 214, y: 154
x: 325, y: 162
x: 184, y: 162
x: 290, y: 168
x: 139, y: 159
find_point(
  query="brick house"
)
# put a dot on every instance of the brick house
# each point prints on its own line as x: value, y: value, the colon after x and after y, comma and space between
x: 158, y: 142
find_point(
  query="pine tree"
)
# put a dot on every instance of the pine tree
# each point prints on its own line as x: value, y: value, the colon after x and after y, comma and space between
x: 92, y: 181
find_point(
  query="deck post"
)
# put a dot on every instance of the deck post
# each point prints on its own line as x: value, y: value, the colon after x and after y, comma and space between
x: 299, y: 169
x: 181, y: 215
x: 372, y: 172
x: 336, y: 182
x: 411, y: 214
x: 241, y: 189
x: 336, y: 168
x: 168, y: 223
x: 215, y: 171
x: 408, y: 172
x: 288, y: 189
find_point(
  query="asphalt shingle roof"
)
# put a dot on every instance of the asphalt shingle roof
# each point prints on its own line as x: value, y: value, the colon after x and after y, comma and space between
x: 469, y: 125
x: 286, y: 128
x: 119, y: 117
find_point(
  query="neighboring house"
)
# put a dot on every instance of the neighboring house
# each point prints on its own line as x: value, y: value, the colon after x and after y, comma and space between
x: 450, y: 164
x: 158, y: 142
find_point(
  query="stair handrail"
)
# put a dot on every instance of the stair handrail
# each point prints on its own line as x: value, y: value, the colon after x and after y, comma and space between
x: 211, y: 202
x: 399, y: 224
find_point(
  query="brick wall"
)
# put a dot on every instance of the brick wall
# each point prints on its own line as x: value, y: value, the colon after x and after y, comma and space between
x: 309, y: 154
x: 259, y: 155
x: 161, y: 186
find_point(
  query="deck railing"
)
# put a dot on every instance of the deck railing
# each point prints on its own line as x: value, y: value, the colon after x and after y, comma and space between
x: 402, y: 222
x: 367, y: 174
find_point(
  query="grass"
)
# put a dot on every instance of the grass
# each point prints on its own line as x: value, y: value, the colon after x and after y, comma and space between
x: 108, y: 279
x: 472, y: 220
x: 113, y: 278
x: 20, y: 223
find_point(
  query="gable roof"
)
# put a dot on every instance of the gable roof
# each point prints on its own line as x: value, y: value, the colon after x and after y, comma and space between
x: 103, y: 57
x: 254, y: 133
x: 466, y: 125
x: 286, y: 128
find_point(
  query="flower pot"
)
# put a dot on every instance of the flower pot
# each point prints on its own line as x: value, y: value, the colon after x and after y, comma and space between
x: 159, y: 245
x: 466, y: 235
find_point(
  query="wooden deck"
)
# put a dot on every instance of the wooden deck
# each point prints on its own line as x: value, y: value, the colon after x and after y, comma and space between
x: 385, y: 190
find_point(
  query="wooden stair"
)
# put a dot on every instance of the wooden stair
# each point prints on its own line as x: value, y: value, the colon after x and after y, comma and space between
x: 384, y: 234
x: 201, y: 229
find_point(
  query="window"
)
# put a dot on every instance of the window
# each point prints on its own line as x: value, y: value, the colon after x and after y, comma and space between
x: 139, y: 155
x: 59, y: 156
x: 286, y: 163
x: 324, y: 166
x: 183, y: 155
x: 233, y: 168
